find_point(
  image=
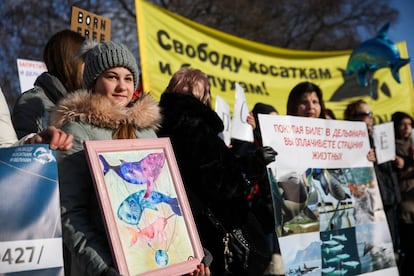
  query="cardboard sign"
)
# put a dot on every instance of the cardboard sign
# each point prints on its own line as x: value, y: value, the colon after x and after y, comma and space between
x: 90, y: 25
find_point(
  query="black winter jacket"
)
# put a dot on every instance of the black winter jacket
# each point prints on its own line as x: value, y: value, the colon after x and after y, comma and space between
x: 212, y: 174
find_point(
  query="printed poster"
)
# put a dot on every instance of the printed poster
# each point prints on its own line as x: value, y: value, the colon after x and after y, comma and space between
x: 30, y: 235
x: 29, y: 70
x: 328, y: 209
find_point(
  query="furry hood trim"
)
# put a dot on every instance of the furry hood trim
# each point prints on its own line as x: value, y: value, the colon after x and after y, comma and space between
x: 97, y: 110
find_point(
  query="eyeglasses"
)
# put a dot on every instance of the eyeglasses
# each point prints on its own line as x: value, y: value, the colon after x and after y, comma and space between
x: 364, y: 114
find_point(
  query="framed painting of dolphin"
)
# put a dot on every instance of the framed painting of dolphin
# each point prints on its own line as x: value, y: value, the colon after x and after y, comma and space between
x: 146, y: 211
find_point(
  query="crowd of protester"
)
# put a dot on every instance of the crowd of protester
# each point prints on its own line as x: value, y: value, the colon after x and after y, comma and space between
x: 89, y: 93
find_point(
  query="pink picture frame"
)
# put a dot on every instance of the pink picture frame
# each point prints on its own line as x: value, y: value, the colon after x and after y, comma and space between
x: 146, y: 211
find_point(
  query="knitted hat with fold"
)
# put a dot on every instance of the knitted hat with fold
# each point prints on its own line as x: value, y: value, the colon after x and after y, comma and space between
x: 102, y: 56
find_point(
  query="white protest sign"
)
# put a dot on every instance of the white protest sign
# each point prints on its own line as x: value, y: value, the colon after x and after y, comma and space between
x: 384, y: 141
x: 223, y: 111
x: 327, y: 204
x: 322, y: 143
x: 8, y: 136
x: 29, y: 70
x: 412, y: 136
x: 33, y: 254
x: 240, y: 129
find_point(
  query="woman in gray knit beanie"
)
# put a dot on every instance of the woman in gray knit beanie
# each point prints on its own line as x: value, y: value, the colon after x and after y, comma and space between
x: 102, y: 111
x: 102, y: 56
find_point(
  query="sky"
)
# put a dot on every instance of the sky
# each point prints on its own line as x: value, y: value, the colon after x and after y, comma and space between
x: 403, y: 30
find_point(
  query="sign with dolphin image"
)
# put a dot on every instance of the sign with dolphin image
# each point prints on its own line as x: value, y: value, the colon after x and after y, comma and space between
x: 144, y: 204
x: 31, y: 232
x: 327, y: 204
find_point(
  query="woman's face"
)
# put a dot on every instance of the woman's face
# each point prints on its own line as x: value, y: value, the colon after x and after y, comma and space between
x: 405, y: 128
x: 117, y: 84
x: 364, y: 113
x: 309, y: 105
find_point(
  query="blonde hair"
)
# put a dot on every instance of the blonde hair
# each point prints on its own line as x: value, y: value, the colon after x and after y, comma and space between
x: 191, y: 82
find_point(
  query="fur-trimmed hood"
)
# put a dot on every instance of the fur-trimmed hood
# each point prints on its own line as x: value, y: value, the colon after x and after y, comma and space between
x: 97, y: 110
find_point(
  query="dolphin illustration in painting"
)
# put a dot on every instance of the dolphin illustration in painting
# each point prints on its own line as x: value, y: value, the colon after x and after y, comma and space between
x: 373, y: 54
x: 131, y: 209
x: 143, y: 171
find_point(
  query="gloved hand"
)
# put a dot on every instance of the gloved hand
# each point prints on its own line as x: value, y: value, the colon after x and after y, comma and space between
x: 208, y: 257
x: 266, y: 154
x: 111, y: 272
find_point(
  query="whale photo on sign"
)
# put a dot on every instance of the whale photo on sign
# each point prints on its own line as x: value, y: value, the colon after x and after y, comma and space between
x: 373, y: 54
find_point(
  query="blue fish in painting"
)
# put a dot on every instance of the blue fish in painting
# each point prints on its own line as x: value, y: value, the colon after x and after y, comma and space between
x: 143, y: 171
x: 373, y: 54
x: 131, y: 209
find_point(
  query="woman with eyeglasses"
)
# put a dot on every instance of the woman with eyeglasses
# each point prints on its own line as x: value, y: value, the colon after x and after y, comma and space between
x: 386, y: 173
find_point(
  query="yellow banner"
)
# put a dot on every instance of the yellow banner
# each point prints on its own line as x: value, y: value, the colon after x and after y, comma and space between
x: 168, y: 41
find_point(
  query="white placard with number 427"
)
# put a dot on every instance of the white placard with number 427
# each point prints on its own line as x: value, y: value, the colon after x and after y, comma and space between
x: 30, y: 255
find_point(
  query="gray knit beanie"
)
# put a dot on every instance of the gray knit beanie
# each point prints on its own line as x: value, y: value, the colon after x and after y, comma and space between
x: 103, y: 56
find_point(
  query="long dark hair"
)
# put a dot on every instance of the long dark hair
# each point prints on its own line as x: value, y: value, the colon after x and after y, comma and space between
x: 296, y: 94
